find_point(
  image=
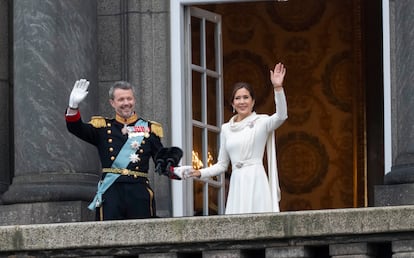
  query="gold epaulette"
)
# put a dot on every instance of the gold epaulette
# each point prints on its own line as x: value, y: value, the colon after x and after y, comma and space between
x: 98, y: 121
x: 156, y: 128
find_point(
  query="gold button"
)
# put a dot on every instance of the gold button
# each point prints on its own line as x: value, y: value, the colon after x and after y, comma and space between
x: 108, y: 124
x: 141, y: 151
x: 143, y: 142
x: 137, y: 168
x: 125, y: 172
x: 109, y: 131
x: 112, y: 158
x: 111, y: 149
x: 110, y: 140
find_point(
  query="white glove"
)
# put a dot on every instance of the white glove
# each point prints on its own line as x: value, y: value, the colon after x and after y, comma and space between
x: 79, y: 92
x: 183, y: 171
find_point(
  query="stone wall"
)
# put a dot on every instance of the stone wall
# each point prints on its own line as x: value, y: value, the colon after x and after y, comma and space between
x: 45, y: 46
x: 362, y: 232
x: 4, y: 97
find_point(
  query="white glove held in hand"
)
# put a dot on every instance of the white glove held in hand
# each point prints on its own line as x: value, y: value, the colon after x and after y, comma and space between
x: 183, y: 171
x: 79, y: 92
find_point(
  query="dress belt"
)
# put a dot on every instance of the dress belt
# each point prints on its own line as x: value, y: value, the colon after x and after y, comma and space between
x: 247, y: 162
x: 125, y: 172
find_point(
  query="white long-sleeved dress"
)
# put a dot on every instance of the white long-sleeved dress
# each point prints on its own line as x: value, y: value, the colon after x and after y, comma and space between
x: 242, y: 143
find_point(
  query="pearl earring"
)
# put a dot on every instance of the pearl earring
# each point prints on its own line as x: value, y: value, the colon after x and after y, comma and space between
x: 234, y: 111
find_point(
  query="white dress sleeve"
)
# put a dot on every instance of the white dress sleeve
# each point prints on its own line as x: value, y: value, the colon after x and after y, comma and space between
x: 280, y: 115
x: 223, y: 158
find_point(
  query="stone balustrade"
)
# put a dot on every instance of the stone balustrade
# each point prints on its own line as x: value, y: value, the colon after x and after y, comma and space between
x: 339, y: 233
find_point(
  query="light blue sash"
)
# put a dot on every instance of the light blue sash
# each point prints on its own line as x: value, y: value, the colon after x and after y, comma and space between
x: 121, y: 161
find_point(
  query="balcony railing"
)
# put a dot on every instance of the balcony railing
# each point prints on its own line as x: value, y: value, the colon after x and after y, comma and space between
x: 361, y: 232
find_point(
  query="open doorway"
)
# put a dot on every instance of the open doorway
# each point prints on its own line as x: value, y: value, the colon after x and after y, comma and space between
x: 330, y: 150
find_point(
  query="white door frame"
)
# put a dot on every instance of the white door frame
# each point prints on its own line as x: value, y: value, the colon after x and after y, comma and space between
x: 177, y: 87
x: 386, y: 35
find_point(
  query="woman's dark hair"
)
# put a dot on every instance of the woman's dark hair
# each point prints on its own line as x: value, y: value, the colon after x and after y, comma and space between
x: 239, y: 85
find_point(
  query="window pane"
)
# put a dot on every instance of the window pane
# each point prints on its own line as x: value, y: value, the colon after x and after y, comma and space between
x: 212, y: 101
x: 212, y: 200
x: 195, y: 41
x: 197, y: 98
x: 197, y: 152
x: 213, y: 147
x: 198, y: 197
x: 213, y: 194
x: 197, y: 157
x: 210, y: 45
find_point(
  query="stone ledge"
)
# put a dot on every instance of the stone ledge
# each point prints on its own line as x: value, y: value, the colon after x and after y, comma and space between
x: 211, y: 229
x: 45, y: 212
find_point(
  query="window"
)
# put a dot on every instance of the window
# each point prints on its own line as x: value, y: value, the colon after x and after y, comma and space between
x: 205, y: 82
x: 203, y: 102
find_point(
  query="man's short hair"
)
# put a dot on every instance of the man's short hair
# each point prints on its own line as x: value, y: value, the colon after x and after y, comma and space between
x: 123, y: 85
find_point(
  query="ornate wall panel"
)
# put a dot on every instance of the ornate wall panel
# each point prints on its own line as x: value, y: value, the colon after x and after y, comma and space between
x: 321, y: 146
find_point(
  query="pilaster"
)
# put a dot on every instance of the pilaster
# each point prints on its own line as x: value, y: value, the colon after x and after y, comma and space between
x: 398, y: 188
x: 54, y: 44
x: 4, y: 98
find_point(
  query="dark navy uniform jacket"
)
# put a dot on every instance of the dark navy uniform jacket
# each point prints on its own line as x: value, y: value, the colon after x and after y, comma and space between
x: 106, y: 134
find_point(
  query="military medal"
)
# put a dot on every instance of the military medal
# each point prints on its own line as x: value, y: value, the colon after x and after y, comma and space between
x: 133, y: 157
x: 146, y: 134
x: 135, y: 131
x: 124, y: 130
x: 135, y: 145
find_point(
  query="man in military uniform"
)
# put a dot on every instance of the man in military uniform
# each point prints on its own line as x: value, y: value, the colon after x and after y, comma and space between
x: 125, y: 145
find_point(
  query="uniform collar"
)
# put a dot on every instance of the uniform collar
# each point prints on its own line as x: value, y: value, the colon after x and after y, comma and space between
x: 128, y: 120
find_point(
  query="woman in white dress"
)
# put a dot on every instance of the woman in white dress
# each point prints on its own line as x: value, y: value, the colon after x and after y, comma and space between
x: 242, y: 142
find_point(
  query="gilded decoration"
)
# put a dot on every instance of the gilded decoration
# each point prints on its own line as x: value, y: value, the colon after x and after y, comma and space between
x: 302, y: 54
x: 336, y: 81
x: 240, y: 26
x: 297, y: 15
x: 303, y: 162
x: 247, y: 66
